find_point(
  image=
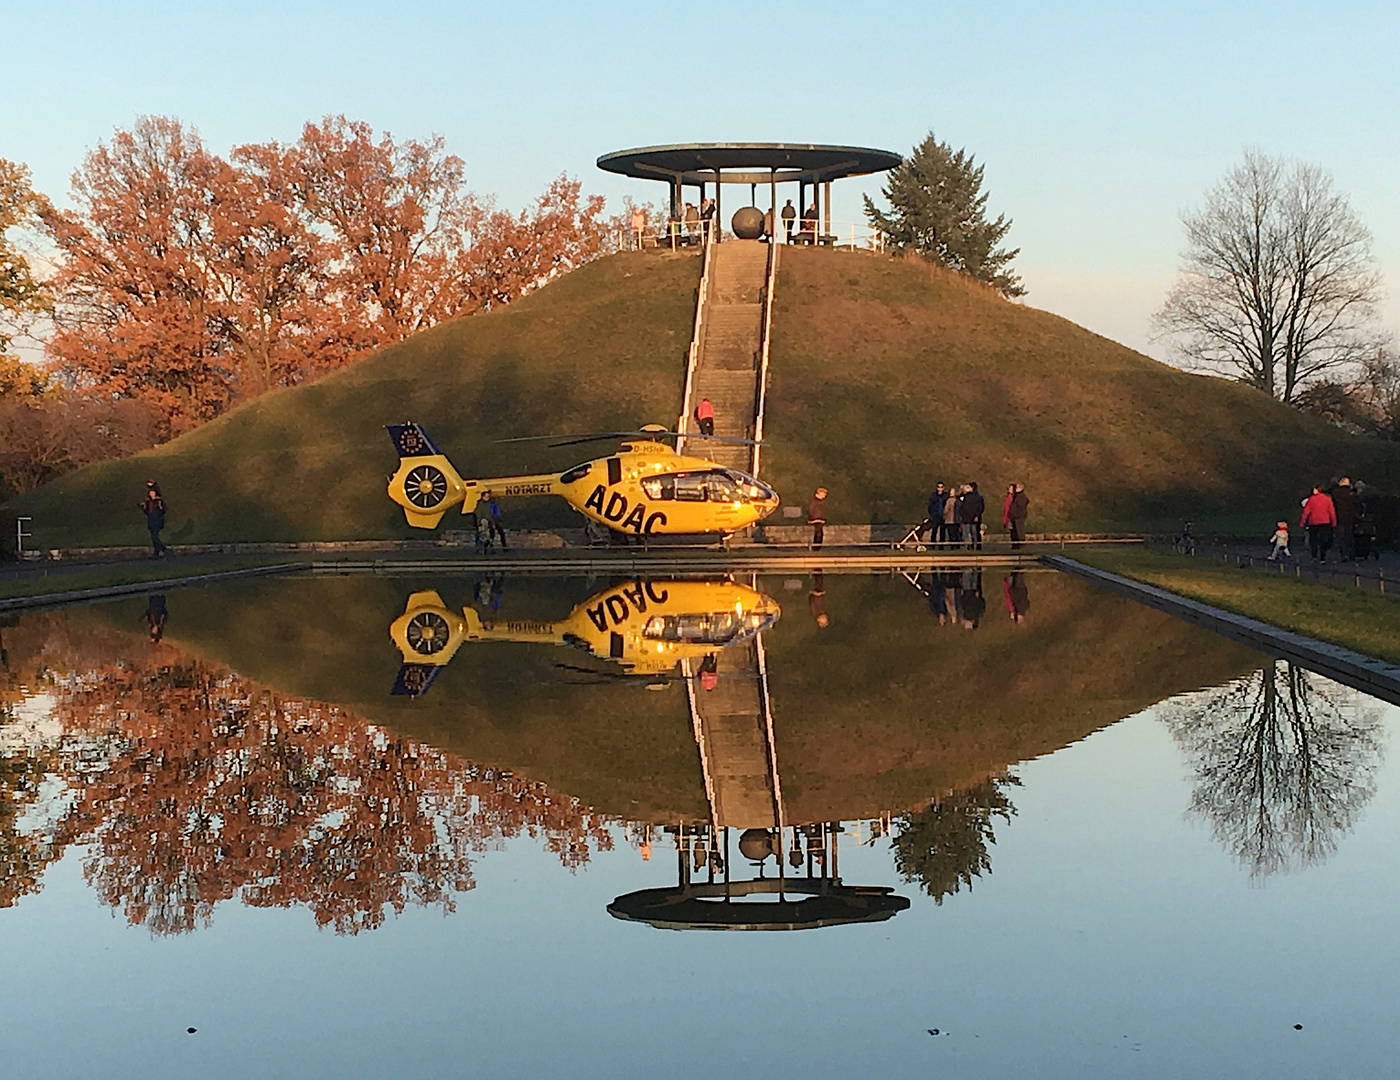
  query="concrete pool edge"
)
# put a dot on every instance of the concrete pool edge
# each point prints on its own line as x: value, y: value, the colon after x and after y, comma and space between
x: 1357, y: 670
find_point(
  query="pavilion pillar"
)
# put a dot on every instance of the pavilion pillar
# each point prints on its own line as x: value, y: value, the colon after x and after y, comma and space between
x: 719, y: 211
x: 826, y: 208
x: 775, y: 225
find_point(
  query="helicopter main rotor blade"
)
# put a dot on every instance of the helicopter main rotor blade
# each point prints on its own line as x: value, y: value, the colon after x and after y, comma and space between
x: 603, y: 436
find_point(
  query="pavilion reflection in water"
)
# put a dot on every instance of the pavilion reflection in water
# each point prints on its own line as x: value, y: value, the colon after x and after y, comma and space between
x: 647, y: 628
x: 147, y: 756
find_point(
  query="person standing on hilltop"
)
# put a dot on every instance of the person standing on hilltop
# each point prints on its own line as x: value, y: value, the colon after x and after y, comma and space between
x: 789, y: 214
x: 639, y: 225
x: 1006, y: 506
x: 974, y: 506
x: 705, y: 417
x: 154, y: 509
x: 692, y: 220
x: 1319, y: 518
x: 816, y: 516
x: 1018, y: 512
x: 1345, y: 503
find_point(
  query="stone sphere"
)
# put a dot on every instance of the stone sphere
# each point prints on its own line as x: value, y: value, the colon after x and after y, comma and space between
x: 747, y: 223
x: 755, y: 844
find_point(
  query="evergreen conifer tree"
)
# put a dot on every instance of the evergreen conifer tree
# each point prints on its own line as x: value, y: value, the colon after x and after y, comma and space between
x: 938, y: 208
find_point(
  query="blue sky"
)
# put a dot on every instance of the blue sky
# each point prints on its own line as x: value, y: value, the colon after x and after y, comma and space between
x: 1097, y: 123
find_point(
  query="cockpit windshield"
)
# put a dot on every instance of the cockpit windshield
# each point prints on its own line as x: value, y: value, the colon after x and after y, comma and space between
x: 718, y: 485
x: 716, y: 628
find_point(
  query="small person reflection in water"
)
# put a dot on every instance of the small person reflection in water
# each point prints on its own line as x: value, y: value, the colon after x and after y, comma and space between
x: 937, y: 600
x: 795, y: 855
x: 709, y: 671
x: 155, y: 616
x: 972, y: 607
x: 816, y: 601
x: 1016, y: 598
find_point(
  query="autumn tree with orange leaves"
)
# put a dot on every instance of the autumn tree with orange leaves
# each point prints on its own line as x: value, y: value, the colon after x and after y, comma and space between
x: 192, y: 282
x: 189, y: 786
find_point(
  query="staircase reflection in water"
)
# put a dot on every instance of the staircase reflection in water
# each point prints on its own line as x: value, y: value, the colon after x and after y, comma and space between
x: 184, y: 781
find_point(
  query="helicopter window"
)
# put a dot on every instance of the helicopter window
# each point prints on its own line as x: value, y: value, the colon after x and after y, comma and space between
x: 750, y: 490
x: 578, y: 472
x: 660, y: 487
x: 713, y: 629
x: 722, y: 489
x: 614, y: 470
x: 692, y: 488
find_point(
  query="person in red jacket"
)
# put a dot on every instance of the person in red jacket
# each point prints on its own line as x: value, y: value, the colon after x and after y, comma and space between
x: 705, y: 414
x: 1319, y: 518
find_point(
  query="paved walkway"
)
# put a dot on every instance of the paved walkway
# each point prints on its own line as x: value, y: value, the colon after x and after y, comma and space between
x: 1382, y: 574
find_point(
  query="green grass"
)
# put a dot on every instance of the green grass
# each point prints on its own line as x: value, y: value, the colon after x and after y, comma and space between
x: 887, y: 375
x: 101, y: 577
x: 1340, y: 614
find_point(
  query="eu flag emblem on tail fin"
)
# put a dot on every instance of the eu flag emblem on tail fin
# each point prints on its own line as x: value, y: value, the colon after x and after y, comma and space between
x: 414, y: 679
x: 410, y: 440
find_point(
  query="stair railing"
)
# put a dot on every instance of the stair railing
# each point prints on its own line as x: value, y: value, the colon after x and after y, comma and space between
x: 702, y: 306
x: 766, y: 333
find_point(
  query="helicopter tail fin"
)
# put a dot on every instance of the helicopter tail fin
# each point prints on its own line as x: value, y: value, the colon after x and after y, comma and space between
x: 413, y: 680
x: 425, y: 484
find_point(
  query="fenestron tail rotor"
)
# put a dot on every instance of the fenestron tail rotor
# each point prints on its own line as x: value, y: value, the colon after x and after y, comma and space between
x: 425, y: 487
x: 425, y: 484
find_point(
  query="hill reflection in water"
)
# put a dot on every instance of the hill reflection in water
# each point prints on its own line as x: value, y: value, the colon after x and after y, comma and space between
x: 256, y: 753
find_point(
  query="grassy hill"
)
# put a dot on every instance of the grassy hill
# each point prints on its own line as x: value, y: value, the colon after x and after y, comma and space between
x: 890, y: 375
x: 886, y: 376
x: 601, y: 348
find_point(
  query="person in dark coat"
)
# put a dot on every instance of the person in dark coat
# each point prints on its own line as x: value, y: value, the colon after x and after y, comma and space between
x: 934, y: 521
x: 154, y: 509
x: 816, y: 600
x: 1016, y: 596
x: 816, y: 516
x: 1020, y: 508
x: 1345, y: 503
x: 973, y: 507
x: 156, y: 614
x: 972, y: 606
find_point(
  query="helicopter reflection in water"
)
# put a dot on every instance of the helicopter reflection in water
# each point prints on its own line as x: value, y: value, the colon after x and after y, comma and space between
x: 644, y: 627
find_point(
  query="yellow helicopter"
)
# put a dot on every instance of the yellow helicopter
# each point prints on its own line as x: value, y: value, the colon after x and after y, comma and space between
x: 646, y: 489
x: 645, y: 627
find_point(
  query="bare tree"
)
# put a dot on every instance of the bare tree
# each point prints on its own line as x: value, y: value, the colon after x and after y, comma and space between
x: 1284, y: 763
x: 1278, y: 285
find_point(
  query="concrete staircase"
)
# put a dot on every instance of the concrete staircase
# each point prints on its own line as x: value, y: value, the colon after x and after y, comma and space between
x: 735, y: 743
x: 726, y: 370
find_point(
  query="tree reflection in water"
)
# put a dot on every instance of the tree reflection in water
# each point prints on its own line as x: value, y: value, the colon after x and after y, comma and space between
x: 188, y: 786
x: 1284, y: 761
x: 946, y: 846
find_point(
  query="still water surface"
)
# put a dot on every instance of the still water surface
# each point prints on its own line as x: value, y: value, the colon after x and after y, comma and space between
x: 369, y: 826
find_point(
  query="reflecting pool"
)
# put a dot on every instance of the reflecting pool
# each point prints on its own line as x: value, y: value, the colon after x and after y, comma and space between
x: 982, y: 823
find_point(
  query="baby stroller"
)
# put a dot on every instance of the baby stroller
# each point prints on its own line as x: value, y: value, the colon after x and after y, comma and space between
x: 915, y: 536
